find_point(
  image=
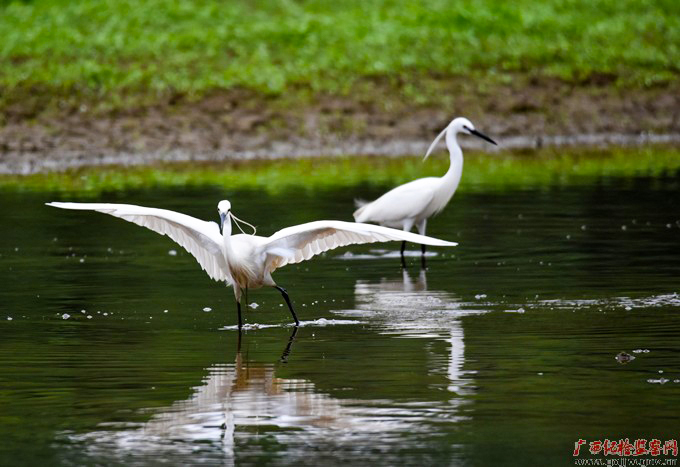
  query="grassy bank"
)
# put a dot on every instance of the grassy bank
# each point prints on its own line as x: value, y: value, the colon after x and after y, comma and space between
x: 482, y: 172
x: 120, y: 53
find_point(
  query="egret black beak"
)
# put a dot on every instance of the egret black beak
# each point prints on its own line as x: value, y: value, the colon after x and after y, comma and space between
x: 483, y: 136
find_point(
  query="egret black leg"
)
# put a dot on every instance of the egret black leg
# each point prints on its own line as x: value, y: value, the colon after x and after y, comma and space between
x: 238, y: 309
x: 290, y: 305
x: 403, y: 247
x: 421, y: 230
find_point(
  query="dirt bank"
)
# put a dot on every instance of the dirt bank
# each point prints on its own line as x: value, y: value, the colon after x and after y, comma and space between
x: 240, y: 124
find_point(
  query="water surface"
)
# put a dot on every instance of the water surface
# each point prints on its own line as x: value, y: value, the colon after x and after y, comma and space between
x: 116, y: 348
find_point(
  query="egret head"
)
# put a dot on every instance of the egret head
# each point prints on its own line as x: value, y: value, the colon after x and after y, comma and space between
x: 458, y: 125
x: 463, y: 125
x: 224, y: 209
x: 226, y: 216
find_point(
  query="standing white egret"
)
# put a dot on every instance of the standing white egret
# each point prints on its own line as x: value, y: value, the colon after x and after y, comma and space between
x: 247, y: 261
x: 415, y: 202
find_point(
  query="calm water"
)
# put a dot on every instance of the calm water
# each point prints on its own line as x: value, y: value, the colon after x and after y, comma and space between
x: 115, y: 348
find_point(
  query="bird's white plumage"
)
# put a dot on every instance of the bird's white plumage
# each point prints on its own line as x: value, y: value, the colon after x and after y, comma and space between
x: 200, y: 238
x: 415, y: 202
x: 402, y: 202
x: 249, y: 260
x: 301, y: 242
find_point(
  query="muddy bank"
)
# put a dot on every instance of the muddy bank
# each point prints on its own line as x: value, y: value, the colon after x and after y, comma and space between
x: 242, y: 125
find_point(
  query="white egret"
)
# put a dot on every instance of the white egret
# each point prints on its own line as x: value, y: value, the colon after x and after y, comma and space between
x: 415, y: 202
x: 246, y: 261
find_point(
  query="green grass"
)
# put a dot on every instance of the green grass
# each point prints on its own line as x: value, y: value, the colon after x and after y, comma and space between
x: 121, y: 49
x: 482, y: 172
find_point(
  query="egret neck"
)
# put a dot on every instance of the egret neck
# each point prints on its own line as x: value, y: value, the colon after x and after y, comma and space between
x: 451, y: 179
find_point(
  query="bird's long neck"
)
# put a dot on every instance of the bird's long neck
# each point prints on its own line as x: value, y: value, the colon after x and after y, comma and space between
x: 226, y: 237
x: 452, y: 177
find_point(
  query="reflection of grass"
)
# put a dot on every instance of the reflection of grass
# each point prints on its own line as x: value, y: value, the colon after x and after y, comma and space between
x: 107, y: 50
x: 482, y: 172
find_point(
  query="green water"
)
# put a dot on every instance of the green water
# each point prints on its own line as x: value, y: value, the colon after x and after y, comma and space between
x: 501, y: 352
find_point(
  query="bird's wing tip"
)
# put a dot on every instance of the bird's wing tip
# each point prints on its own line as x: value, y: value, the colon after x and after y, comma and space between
x: 446, y: 243
x: 59, y: 204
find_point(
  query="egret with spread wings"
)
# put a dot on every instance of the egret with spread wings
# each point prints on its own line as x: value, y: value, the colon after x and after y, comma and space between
x: 247, y: 261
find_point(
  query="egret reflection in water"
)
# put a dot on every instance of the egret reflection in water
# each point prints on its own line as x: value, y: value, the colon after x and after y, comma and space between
x: 246, y: 398
x: 406, y: 307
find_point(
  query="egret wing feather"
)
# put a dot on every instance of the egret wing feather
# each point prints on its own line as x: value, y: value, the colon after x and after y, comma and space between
x: 200, y: 238
x: 301, y: 242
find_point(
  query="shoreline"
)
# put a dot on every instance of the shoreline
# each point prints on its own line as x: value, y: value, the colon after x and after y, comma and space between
x: 31, y: 163
x: 237, y: 125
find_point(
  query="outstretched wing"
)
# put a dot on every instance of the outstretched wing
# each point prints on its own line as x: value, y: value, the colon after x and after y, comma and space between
x: 301, y: 242
x: 200, y: 238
